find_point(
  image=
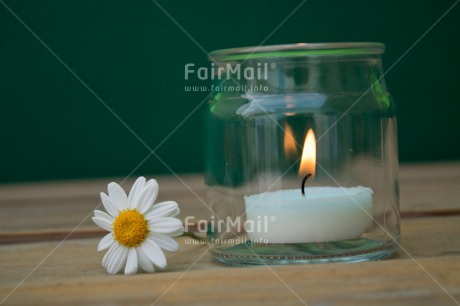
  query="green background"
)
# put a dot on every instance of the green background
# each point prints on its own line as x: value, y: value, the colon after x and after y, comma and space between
x: 132, y: 55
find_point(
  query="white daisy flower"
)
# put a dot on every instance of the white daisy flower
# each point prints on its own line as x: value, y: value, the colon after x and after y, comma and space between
x: 138, y: 229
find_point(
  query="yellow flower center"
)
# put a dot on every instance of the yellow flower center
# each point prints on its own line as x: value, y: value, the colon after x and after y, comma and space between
x: 130, y: 228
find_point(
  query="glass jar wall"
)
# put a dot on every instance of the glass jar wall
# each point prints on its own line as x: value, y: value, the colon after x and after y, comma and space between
x: 301, y: 155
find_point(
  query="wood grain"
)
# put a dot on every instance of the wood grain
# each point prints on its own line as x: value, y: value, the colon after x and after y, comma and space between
x: 425, y: 271
x: 62, y: 206
x: 426, y: 189
x: 77, y: 260
x: 390, y: 282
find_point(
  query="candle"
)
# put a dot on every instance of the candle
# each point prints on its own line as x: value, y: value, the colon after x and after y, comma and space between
x: 323, y: 214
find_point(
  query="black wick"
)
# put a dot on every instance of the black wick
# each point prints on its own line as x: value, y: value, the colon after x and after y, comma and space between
x: 303, y: 183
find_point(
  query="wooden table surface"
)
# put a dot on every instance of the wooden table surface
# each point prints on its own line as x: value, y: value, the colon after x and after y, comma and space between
x: 48, y: 253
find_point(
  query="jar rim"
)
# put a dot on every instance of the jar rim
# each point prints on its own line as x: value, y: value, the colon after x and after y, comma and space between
x: 299, y: 49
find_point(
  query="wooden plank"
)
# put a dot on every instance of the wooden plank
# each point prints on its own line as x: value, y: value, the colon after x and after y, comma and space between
x: 58, y: 207
x: 391, y: 282
x: 71, y: 273
x: 430, y: 187
x: 64, y: 215
x: 429, y: 237
x: 378, y: 283
x: 80, y: 259
x: 430, y: 170
x: 61, y: 206
x: 90, y: 188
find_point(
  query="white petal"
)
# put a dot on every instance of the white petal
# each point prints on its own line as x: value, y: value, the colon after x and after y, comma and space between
x: 163, y: 209
x: 113, y: 256
x: 153, y: 182
x: 177, y: 233
x: 165, y: 225
x: 148, y: 196
x: 136, y: 191
x: 131, y: 262
x: 143, y: 261
x: 118, y: 196
x: 119, y: 260
x: 105, y: 242
x: 108, y: 205
x: 108, y: 256
x: 103, y: 223
x: 103, y: 215
x: 165, y: 242
x: 154, y: 253
x: 161, y: 204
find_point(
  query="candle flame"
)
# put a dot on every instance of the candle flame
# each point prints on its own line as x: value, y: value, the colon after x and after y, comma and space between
x: 290, y: 148
x: 308, y: 160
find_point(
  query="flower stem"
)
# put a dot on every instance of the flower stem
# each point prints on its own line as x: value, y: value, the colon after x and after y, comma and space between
x: 194, y: 236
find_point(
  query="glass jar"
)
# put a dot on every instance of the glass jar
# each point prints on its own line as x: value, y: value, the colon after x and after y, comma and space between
x: 301, y: 155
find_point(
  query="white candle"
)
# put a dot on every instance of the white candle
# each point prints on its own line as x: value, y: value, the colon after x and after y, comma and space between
x: 324, y: 214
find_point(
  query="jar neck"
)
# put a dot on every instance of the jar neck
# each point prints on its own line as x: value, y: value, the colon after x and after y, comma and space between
x: 324, y: 74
